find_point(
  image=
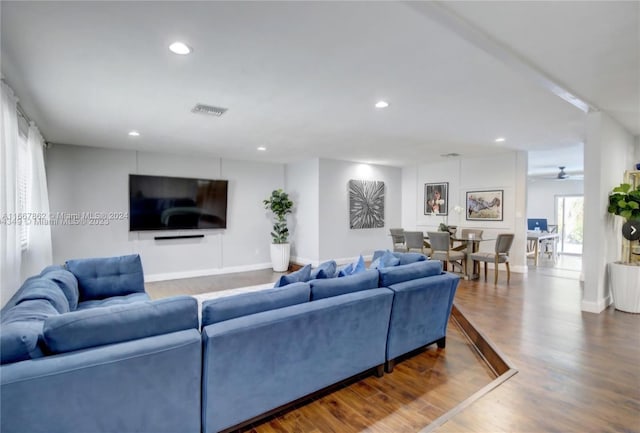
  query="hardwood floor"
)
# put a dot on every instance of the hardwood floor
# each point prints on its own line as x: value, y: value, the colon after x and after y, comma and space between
x: 578, y: 372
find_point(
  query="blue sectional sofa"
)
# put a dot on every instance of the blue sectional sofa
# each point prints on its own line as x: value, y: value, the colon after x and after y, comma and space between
x: 83, y: 349
x: 262, y: 351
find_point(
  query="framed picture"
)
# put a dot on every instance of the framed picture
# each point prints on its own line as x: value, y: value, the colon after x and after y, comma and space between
x: 366, y: 204
x: 485, y: 205
x: 436, y: 198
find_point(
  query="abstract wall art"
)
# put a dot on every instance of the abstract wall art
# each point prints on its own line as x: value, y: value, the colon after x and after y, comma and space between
x: 366, y: 204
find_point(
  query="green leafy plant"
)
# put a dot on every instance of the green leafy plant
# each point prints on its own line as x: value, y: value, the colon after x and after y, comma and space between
x: 280, y: 204
x: 625, y: 202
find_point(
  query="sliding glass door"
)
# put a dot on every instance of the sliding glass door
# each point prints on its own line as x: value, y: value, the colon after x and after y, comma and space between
x: 570, y: 212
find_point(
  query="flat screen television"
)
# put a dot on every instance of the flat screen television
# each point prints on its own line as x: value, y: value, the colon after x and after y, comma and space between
x: 176, y: 203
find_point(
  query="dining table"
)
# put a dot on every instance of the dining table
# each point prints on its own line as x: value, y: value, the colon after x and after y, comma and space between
x: 536, y: 238
x: 469, y: 244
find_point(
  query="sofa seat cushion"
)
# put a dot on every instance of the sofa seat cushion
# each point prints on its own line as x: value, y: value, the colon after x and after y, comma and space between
x: 43, y: 288
x: 302, y: 275
x: 412, y: 271
x: 244, y: 304
x: 117, y: 323
x: 327, y: 288
x: 66, y: 281
x: 22, y: 330
x: 114, y: 300
x: 101, y: 278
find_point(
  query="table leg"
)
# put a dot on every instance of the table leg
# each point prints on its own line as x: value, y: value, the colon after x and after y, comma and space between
x: 537, y: 251
x: 470, y: 271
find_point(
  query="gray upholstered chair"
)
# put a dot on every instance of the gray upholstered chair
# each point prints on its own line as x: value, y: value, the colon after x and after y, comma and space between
x: 441, y: 250
x: 397, y: 238
x: 477, y: 233
x: 501, y: 255
x: 415, y: 242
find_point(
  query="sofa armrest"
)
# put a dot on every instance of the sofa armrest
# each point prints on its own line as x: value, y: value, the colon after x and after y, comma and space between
x: 420, y: 314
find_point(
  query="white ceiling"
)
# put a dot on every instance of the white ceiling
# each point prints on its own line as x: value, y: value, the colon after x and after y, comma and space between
x: 301, y: 78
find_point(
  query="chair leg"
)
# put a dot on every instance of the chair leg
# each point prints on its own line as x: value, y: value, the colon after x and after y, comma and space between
x: 495, y: 277
x: 485, y: 270
x: 508, y: 272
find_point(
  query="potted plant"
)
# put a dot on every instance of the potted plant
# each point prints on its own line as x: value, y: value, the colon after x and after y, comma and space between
x: 280, y: 204
x: 624, y: 275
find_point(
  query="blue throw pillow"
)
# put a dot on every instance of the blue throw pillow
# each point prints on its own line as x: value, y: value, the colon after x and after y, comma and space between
x: 353, y: 268
x: 388, y: 259
x: 300, y: 276
x: 324, y: 270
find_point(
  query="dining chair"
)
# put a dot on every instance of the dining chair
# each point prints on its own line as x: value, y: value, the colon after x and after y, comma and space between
x: 501, y: 255
x: 477, y: 233
x: 415, y: 241
x: 441, y: 250
x: 397, y: 237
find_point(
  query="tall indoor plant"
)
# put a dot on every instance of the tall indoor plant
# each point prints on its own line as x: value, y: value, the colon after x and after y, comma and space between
x: 624, y: 277
x: 280, y: 204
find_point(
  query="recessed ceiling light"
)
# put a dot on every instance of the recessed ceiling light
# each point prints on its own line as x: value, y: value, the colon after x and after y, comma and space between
x: 382, y: 104
x: 500, y: 139
x: 134, y: 133
x: 180, y: 48
x: 262, y: 148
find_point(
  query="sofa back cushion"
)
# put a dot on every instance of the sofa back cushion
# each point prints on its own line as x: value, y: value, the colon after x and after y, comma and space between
x: 244, y: 304
x: 412, y: 271
x: 107, y: 325
x: 66, y: 281
x: 101, y: 278
x: 22, y: 329
x: 327, y: 288
x: 42, y: 288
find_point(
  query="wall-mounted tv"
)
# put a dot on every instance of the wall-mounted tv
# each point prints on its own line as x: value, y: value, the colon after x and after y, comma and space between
x: 176, y: 203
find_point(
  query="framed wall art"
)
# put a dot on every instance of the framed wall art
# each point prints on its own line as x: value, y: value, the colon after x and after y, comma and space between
x: 436, y: 198
x: 485, y: 205
x: 366, y: 204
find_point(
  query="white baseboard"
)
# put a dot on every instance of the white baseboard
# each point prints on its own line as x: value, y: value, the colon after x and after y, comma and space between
x: 205, y: 272
x: 520, y: 269
x: 596, y: 307
x: 304, y: 261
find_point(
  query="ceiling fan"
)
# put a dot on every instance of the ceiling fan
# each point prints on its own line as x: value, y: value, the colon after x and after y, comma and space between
x: 561, y: 174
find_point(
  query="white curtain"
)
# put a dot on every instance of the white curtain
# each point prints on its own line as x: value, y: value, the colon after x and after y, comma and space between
x: 10, y: 250
x: 38, y: 254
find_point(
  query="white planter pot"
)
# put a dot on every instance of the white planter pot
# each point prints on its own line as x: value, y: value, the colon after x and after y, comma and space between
x: 280, y: 257
x: 624, y: 281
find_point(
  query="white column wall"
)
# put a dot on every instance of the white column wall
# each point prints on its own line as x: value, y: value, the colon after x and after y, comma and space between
x: 609, y: 151
x: 303, y: 186
x: 337, y: 240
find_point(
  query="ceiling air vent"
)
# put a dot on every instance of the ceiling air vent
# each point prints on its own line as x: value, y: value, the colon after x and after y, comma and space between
x: 208, y: 109
x: 450, y: 155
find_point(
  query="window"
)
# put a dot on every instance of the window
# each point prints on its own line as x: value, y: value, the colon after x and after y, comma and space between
x: 24, y: 180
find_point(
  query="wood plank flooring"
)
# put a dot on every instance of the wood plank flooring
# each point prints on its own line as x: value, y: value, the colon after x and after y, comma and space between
x: 578, y: 372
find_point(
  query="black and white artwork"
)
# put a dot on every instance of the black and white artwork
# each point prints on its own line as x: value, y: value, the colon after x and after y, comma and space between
x: 366, y: 204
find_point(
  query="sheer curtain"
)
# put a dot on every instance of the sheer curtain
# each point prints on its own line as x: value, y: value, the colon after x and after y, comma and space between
x: 37, y: 254
x: 10, y: 250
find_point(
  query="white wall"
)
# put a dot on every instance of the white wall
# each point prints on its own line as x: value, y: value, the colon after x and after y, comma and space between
x: 303, y: 186
x: 542, y: 193
x: 506, y: 172
x: 337, y: 240
x: 609, y: 151
x: 87, y: 179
